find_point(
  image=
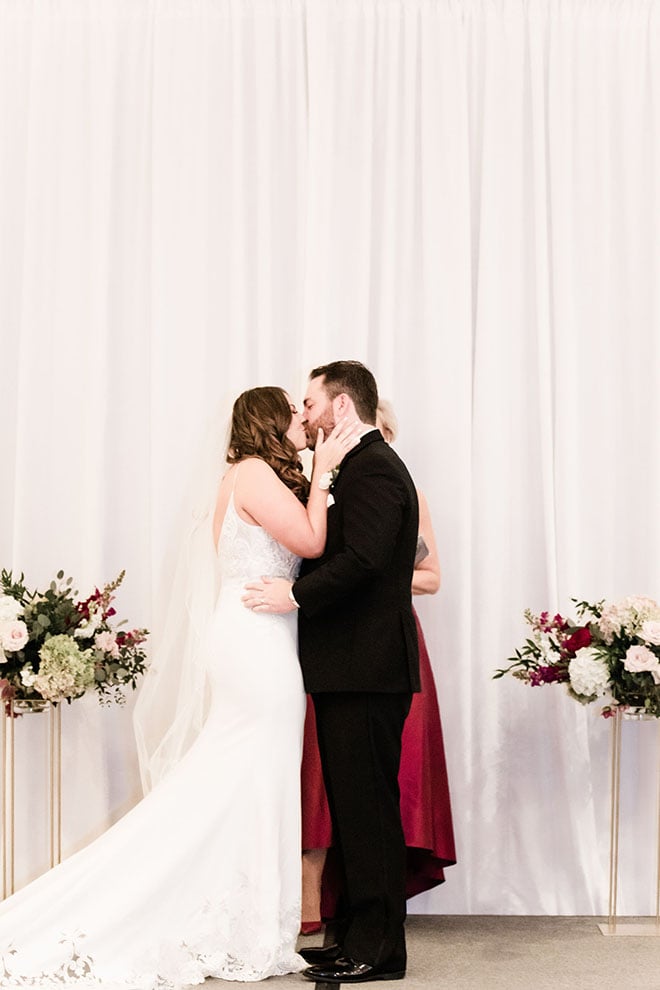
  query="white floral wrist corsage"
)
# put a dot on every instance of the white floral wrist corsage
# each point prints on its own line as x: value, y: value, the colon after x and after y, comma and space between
x: 328, y: 479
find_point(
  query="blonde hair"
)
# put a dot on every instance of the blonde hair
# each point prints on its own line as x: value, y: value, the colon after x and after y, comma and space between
x: 386, y: 420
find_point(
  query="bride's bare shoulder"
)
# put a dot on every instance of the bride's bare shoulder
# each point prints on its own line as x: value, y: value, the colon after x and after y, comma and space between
x: 244, y: 475
x: 254, y: 468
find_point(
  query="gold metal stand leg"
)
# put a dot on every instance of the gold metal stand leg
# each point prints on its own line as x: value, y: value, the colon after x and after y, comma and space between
x: 54, y: 793
x: 8, y: 801
x: 657, y: 882
x: 4, y: 803
x: 613, y: 927
x: 615, y: 806
x: 55, y: 789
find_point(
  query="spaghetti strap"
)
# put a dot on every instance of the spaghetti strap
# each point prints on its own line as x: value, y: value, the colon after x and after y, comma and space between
x: 231, y: 504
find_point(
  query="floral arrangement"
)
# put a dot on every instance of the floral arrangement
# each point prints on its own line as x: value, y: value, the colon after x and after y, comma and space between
x: 610, y: 655
x: 54, y: 648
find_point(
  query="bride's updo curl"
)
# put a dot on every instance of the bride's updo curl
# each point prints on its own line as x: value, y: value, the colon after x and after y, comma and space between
x: 259, y: 422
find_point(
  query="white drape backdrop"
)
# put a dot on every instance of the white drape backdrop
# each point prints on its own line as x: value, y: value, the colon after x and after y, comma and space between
x: 197, y: 196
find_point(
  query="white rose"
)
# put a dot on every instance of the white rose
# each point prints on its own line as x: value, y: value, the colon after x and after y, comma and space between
x: 588, y: 674
x: 10, y: 609
x: 13, y: 635
x: 639, y: 659
x: 87, y: 629
x: 28, y: 676
x: 107, y: 642
x: 650, y: 632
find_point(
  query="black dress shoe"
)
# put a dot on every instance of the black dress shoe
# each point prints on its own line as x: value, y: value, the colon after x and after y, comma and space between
x: 347, y: 970
x: 321, y: 954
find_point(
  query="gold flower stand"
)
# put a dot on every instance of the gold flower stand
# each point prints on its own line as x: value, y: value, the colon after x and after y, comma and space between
x: 614, y: 925
x: 13, y: 709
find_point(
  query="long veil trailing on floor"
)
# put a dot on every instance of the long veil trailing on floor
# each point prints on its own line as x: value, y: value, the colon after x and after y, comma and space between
x: 170, y: 709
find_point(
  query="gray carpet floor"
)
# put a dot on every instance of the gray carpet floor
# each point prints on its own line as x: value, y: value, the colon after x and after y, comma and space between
x: 476, y: 952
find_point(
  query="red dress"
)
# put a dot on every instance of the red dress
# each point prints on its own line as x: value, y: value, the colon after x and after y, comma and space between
x: 425, y: 802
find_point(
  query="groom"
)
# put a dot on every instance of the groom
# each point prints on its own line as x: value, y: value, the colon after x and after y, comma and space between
x: 358, y: 652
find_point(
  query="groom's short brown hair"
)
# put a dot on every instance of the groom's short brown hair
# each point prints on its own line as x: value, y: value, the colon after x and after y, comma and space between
x: 353, y: 378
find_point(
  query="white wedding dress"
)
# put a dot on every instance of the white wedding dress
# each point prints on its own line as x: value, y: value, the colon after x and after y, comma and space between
x: 202, y: 877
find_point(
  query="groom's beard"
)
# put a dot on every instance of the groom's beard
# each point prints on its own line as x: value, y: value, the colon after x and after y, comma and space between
x: 325, y: 422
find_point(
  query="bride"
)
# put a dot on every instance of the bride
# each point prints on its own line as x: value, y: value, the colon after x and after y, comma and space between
x: 202, y: 877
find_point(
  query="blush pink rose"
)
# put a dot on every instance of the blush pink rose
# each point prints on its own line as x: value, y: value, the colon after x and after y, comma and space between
x: 639, y: 659
x: 13, y: 635
x: 650, y: 632
x: 107, y: 642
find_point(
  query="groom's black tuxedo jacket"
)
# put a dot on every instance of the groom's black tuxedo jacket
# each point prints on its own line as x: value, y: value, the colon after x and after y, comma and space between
x: 356, y: 627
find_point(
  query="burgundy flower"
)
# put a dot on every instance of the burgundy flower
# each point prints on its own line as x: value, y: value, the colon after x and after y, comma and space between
x: 580, y: 638
x: 546, y: 624
x: 131, y: 638
x: 548, y: 675
x: 85, y: 607
x: 92, y: 603
x: 7, y: 692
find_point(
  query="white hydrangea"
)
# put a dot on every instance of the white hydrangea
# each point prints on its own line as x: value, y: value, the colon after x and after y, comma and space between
x: 588, y: 674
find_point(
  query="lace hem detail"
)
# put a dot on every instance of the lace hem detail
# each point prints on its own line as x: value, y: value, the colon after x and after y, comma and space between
x: 205, y: 952
x: 75, y: 967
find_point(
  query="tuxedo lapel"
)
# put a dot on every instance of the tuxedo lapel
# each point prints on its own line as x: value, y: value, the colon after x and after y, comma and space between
x: 374, y: 436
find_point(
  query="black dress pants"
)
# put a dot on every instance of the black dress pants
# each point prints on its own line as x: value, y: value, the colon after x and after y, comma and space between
x: 360, y: 745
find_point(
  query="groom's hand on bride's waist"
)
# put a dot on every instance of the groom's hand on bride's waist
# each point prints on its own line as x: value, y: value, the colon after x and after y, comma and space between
x: 272, y: 595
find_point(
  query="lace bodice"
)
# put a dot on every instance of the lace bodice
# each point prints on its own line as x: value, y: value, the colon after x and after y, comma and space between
x: 246, y: 551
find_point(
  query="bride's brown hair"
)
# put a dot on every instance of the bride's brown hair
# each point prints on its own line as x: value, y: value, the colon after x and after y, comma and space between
x: 259, y: 421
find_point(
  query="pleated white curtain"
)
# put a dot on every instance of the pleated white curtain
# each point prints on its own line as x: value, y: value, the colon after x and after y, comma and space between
x: 197, y: 196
